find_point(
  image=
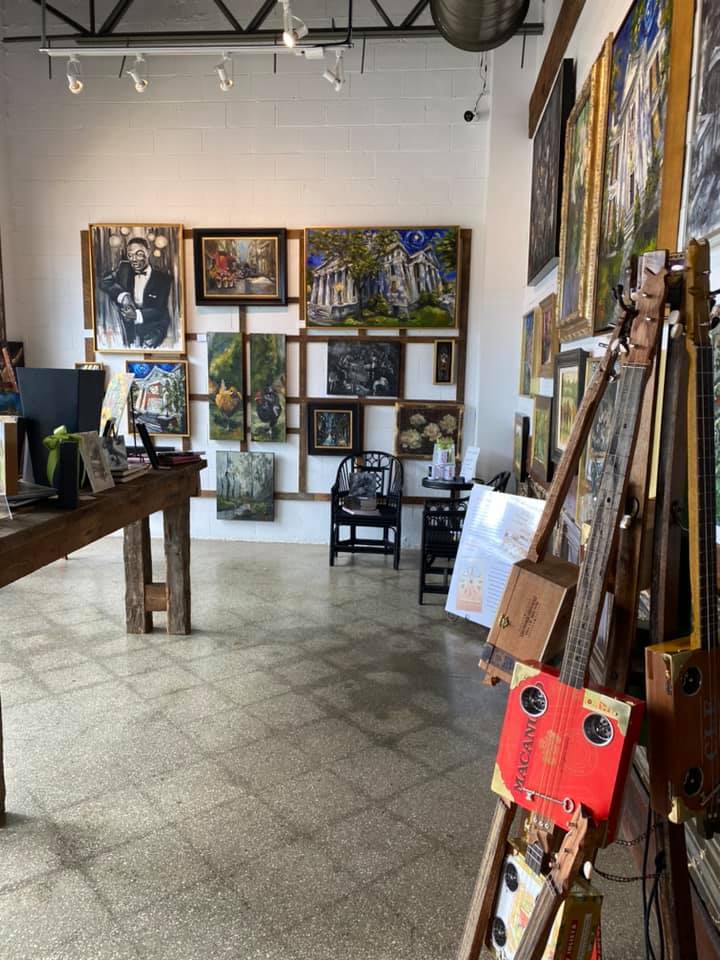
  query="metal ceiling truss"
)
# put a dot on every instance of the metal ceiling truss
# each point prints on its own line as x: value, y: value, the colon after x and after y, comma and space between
x: 108, y: 33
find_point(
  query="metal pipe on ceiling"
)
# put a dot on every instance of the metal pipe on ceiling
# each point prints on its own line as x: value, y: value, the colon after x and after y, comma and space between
x: 478, y: 24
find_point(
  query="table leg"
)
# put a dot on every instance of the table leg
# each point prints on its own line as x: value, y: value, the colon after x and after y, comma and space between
x: 177, y: 561
x: 138, y: 572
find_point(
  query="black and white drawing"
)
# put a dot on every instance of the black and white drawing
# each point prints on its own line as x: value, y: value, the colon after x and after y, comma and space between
x: 363, y: 368
x: 704, y: 192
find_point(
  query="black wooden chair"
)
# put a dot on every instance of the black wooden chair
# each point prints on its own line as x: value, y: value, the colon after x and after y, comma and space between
x: 442, y: 524
x: 378, y: 475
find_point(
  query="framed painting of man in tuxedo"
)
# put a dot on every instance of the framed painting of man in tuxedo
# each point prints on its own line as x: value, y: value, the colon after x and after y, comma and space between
x: 137, y: 286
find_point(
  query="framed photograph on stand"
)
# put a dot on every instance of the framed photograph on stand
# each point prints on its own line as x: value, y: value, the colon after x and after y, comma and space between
x: 569, y: 388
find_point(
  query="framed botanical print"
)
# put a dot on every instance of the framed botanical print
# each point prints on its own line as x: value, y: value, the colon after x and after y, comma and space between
x: 582, y: 189
x: 419, y: 425
x: 137, y: 287
x: 444, y: 361
x: 596, y: 448
x: 240, y: 266
x: 521, y: 432
x: 334, y: 429
x: 541, y: 462
x: 547, y: 343
x: 527, y: 355
x: 547, y: 167
x: 159, y: 396
x: 703, y: 218
x: 569, y: 387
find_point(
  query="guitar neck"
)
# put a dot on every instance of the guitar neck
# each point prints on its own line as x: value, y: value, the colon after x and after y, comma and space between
x: 704, y: 576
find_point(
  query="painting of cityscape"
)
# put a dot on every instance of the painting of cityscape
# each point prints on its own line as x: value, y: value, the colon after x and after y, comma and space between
x: 267, y: 387
x: 245, y: 484
x: 240, y: 266
x: 159, y: 397
x: 381, y: 276
x: 634, y: 152
x: 225, y: 386
x: 704, y: 193
x: 363, y: 368
x: 547, y: 167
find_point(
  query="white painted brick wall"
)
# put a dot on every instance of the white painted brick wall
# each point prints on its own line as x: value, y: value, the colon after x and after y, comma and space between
x: 278, y: 149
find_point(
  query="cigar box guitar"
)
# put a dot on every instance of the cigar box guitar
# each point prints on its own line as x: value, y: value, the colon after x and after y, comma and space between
x: 564, y: 746
x: 683, y: 675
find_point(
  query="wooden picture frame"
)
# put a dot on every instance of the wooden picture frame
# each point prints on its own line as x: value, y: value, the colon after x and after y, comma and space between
x: 240, y: 267
x: 547, y: 167
x: 176, y: 420
x: 541, y: 463
x: 419, y: 424
x: 582, y: 196
x: 334, y: 429
x: 569, y: 385
x: 521, y: 434
x: 116, y: 300
x: 444, y: 362
x: 547, y: 342
x: 526, y: 387
x: 381, y: 277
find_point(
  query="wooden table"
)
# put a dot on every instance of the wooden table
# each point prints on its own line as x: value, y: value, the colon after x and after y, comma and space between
x: 39, y: 535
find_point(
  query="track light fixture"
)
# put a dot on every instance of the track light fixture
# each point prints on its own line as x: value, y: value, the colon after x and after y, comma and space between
x: 294, y: 28
x: 138, y: 73
x: 224, y: 70
x: 74, y: 75
x: 337, y: 76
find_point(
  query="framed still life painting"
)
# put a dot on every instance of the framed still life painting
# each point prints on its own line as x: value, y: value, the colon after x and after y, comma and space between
x: 334, y: 429
x: 240, y: 266
x: 159, y: 396
x: 419, y: 425
x: 527, y: 355
x: 541, y: 462
x: 547, y: 166
x: 569, y: 387
x: 381, y: 276
x: 137, y: 287
x: 582, y: 190
x: 521, y: 432
x: 596, y: 448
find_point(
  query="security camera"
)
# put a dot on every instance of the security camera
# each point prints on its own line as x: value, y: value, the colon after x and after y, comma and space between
x: 469, y: 116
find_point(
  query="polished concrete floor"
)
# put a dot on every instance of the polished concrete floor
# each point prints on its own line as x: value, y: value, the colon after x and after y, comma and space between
x: 305, y: 777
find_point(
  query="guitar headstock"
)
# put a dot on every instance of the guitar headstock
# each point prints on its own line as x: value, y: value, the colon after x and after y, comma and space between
x: 573, y: 851
x: 649, y: 309
x: 697, y: 292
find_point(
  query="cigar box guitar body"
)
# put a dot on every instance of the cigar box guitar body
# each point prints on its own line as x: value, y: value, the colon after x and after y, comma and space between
x: 683, y: 676
x: 565, y: 746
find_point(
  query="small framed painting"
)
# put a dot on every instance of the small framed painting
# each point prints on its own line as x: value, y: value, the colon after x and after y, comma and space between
x: 527, y: 354
x: 245, y: 485
x: 159, y: 397
x: 240, y: 266
x: 569, y: 387
x: 363, y: 368
x: 547, y: 342
x: 334, y: 429
x: 541, y: 461
x: 444, y: 361
x: 520, y: 446
x: 419, y: 425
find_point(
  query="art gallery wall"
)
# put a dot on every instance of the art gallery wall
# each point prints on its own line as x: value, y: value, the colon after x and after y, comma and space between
x: 284, y: 149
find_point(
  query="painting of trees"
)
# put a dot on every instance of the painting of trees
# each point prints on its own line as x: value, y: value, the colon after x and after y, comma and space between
x: 245, y: 485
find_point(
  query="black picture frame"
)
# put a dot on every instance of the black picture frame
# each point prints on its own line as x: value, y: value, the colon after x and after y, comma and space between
x: 568, y: 390
x: 349, y: 419
x: 444, y: 362
x: 364, y: 367
x: 209, y: 289
x: 547, y: 170
x: 521, y: 434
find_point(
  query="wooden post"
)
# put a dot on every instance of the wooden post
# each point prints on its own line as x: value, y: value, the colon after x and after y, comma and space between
x: 177, y: 560
x: 138, y: 572
x: 487, y: 881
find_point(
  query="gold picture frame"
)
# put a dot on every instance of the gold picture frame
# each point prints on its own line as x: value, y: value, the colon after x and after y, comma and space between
x: 547, y: 342
x: 581, y: 199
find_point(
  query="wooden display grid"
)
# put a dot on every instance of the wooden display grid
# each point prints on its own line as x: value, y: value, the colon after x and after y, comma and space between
x: 304, y: 337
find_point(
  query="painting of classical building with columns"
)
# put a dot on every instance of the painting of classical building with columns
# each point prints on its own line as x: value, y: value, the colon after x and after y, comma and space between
x: 381, y: 276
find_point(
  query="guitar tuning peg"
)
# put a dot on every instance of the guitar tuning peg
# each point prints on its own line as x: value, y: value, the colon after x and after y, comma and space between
x: 676, y: 325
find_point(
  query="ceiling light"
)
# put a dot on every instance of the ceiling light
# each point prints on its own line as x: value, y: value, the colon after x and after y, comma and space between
x: 138, y: 73
x: 294, y: 28
x: 74, y: 75
x: 224, y: 70
x: 337, y: 76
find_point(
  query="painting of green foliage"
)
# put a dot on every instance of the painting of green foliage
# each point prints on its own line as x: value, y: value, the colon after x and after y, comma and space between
x: 267, y: 387
x: 245, y: 484
x: 225, y: 386
x: 635, y: 140
x: 381, y: 277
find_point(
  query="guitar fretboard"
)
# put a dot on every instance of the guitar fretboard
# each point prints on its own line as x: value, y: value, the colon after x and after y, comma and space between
x: 705, y: 422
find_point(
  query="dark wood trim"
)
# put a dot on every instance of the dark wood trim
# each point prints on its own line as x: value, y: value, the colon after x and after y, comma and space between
x: 562, y: 32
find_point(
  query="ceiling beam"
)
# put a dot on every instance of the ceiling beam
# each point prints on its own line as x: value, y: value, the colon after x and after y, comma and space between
x: 63, y: 16
x: 562, y: 32
x: 115, y: 16
x: 235, y: 24
x: 383, y: 16
x: 414, y: 13
x: 260, y: 17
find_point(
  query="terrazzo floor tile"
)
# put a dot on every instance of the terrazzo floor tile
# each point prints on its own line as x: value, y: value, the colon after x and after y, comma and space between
x: 381, y: 772
x: 311, y: 801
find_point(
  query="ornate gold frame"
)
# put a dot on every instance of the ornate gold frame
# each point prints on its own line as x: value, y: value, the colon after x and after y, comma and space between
x: 546, y: 306
x: 596, y: 91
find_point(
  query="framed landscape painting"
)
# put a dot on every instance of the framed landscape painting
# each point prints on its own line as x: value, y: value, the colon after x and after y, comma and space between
x: 226, y: 404
x: 363, y: 368
x: 569, y: 387
x: 541, y: 462
x: 527, y: 354
x: 240, y: 266
x: 267, y: 387
x: 334, y: 429
x: 159, y: 396
x: 381, y: 276
x: 582, y: 192
x: 419, y: 425
x: 521, y: 433
x: 547, y: 166
x: 703, y: 218
x: 245, y: 485
x: 137, y: 287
